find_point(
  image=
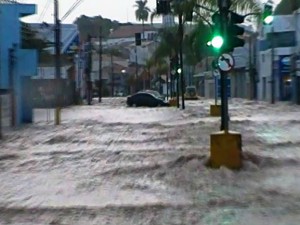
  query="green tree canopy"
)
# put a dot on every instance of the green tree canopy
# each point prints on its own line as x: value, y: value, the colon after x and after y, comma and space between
x: 91, y: 25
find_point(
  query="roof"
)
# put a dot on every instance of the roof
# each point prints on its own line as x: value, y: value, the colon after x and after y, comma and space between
x: 130, y: 30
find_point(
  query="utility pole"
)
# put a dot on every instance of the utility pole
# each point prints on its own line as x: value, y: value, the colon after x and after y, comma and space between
x: 180, y: 32
x: 57, y: 40
x: 138, y: 42
x: 112, y: 75
x: 57, y: 63
x: 250, y: 67
x: 136, y: 69
x: 89, y: 70
x: 100, y: 66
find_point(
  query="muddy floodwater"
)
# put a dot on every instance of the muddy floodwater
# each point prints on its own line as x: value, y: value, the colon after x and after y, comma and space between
x: 110, y: 164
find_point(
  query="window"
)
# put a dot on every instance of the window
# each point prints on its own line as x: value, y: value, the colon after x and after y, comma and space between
x: 282, y: 39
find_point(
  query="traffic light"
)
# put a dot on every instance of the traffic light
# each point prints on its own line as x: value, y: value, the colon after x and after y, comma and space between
x: 216, y: 40
x: 188, y: 15
x: 268, y: 14
x: 233, y: 32
x: 163, y: 7
x: 174, y: 64
x: 138, y: 40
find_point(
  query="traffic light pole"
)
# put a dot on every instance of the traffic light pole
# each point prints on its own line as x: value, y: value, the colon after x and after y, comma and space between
x: 272, y: 69
x: 100, y: 66
x: 180, y: 31
x: 223, y: 6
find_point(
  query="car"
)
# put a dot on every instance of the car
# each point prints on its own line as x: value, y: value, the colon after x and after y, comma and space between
x: 191, y: 93
x: 145, y: 99
x: 153, y: 92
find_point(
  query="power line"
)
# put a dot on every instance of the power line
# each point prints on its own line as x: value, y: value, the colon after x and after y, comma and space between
x: 46, y: 7
x: 71, y: 9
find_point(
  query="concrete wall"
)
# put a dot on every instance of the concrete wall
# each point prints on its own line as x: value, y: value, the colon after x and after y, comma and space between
x: 49, y: 72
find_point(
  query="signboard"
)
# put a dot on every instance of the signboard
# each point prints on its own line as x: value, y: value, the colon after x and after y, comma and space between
x: 228, y: 87
x: 285, y: 64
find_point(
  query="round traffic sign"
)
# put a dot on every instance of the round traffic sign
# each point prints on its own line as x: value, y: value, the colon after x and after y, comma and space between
x: 226, y: 62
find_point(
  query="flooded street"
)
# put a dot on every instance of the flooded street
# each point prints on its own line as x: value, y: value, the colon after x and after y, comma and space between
x: 109, y: 164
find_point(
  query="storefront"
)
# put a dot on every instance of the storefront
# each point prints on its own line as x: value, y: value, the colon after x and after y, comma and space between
x: 285, y: 78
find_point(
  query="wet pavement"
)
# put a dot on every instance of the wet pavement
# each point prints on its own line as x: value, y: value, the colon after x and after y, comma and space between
x: 110, y: 164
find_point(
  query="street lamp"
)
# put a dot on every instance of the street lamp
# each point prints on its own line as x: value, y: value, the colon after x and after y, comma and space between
x: 123, y: 71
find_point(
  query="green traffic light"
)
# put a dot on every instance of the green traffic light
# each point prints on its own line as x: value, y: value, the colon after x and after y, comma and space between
x: 217, y: 42
x: 269, y: 19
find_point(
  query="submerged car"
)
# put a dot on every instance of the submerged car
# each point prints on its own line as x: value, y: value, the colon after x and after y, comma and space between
x: 146, y: 99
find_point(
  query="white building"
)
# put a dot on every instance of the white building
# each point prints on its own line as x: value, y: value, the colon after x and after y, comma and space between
x: 277, y: 46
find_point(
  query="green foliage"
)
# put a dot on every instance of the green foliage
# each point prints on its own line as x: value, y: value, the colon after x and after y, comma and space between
x: 29, y: 39
x: 286, y: 7
x: 195, y: 48
x: 142, y: 11
x: 169, y: 42
x: 91, y: 25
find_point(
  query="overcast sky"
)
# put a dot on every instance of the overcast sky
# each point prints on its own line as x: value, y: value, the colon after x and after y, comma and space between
x: 120, y: 10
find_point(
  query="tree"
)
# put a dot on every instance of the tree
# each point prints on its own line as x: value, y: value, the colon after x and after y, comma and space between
x: 142, y: 12
x: 90, y: 25
x: 194, y: 43
x: 29, y: 39
x: 286, y: 7
x: 112, y: 52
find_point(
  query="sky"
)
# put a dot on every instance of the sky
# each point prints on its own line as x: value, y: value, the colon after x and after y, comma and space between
x: 120, y: 10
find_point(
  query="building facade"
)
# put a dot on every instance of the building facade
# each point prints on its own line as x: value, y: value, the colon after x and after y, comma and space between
x: 277, y: 52
x: 17, y: 64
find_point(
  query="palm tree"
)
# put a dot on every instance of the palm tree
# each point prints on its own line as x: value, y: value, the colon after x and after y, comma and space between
x: 287, y: 7
x: 142, y: 12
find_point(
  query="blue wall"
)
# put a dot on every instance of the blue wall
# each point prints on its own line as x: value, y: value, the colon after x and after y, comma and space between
x: 25, y: 61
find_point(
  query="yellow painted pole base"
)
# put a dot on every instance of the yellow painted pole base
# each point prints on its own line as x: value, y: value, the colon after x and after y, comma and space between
x: 173, y: 102
x: 215, y: 110
x: 225, y: 150
x: 57, y: 115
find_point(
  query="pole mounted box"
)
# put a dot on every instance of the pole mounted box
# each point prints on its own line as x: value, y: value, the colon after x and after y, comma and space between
x: 138, y: 39
x: 163, y: 7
